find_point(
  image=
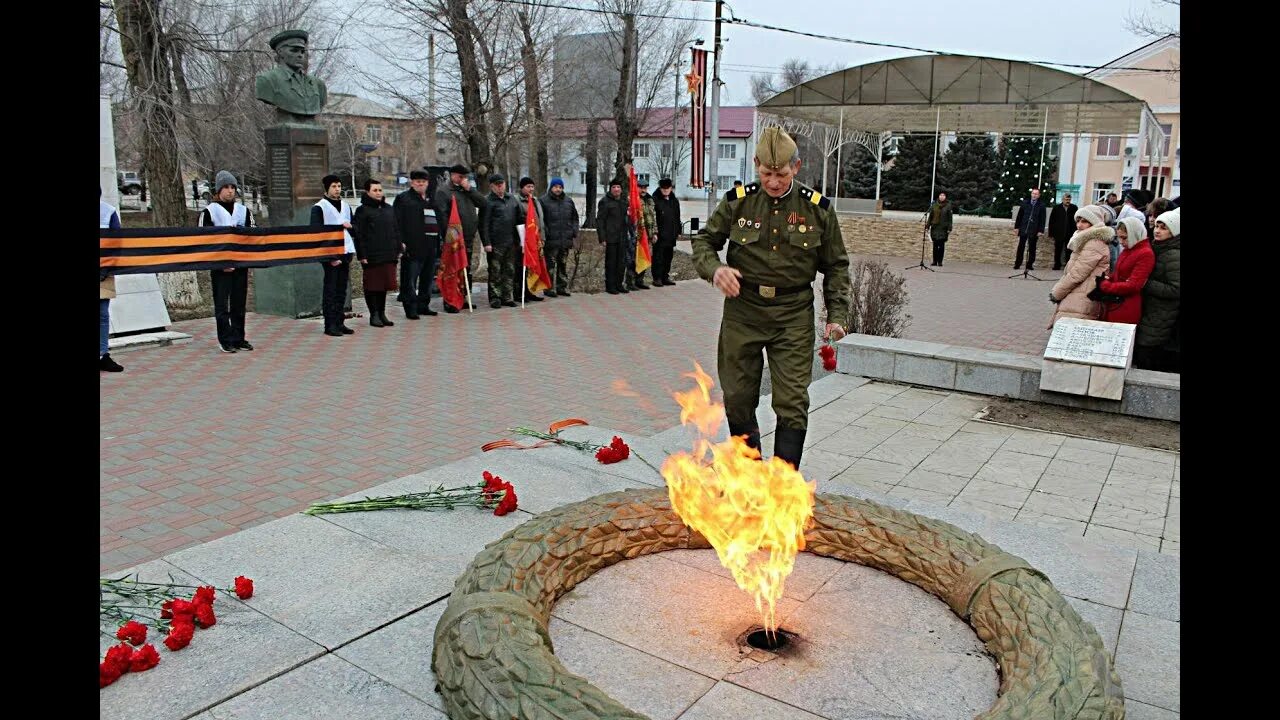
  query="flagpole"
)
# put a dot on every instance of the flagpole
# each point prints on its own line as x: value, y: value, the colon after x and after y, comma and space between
x: 524, y: 281
x: 467, y: 281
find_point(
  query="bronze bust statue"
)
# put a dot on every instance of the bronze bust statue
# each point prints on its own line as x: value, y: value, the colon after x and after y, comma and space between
x: 295, y: 94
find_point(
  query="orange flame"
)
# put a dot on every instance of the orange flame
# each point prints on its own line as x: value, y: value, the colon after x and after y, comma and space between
x: 753, y: 513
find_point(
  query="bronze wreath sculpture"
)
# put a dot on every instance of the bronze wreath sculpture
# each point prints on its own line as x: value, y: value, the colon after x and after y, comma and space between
x: 493, y: 657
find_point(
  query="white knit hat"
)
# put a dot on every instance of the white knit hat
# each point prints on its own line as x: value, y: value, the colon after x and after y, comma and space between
x: 1136, y: 231
x: 1171, y: 220
x: 1092, y: 215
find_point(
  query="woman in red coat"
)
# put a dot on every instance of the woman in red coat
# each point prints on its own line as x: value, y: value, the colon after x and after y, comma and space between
x: 1132, y: 269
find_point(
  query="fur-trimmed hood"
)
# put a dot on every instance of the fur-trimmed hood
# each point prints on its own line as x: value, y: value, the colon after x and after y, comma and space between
x: 1098, y: 232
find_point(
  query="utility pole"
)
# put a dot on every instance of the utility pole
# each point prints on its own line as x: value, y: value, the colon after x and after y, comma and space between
x: 712, y: 194
x: 431, y: 76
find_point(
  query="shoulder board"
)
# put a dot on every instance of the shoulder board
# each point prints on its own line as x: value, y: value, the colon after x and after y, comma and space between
x: 740, y: 192
x: 815, y: 197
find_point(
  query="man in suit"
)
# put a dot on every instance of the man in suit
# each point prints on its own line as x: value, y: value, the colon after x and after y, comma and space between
x: 1028, y: 227
x: 1062, y: 224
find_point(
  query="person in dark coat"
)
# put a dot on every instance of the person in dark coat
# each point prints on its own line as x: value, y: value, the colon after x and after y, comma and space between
x: 939, y: 224
x: 471, y: 203
x: 611, y: 228
x: 562, y: 229
x: 378, y: 246
x: 520, y: 288
x: 420, y: 234
x: 330, y: 210
x: 666, y: 207
x: 1062, y: 225
x: 1157, y: 345
x: 1028, y: 227
x: 500, y: 238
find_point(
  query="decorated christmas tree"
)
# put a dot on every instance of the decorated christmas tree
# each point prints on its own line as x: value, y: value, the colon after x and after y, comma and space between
x: 905, y: 186
x: 1019, y: 173
x: 969, y: 172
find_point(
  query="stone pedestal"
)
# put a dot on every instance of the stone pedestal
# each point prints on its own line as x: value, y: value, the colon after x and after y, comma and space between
x: 297, y: 158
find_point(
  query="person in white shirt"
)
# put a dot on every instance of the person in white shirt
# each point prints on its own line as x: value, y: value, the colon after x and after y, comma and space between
x: 330, y: 210
x: 230, y: 285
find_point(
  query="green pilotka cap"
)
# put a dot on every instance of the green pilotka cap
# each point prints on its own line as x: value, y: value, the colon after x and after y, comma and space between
x: 775, y: 149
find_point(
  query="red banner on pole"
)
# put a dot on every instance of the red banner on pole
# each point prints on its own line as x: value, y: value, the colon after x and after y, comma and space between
x: 537, y: 279
x: 698, y: 117
x: 453, y: 262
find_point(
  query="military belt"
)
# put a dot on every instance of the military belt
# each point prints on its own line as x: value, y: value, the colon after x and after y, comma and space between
x: 769, y: 291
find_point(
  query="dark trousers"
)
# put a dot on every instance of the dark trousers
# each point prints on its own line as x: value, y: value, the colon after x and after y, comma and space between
x: 613, y: 267
x: 417, y: 275
x: 1027, y: 242
x: 663, y: 251
x: 558, y: 266
x: 939, y: 249
x: 230, y: 294
x: 517, y: 272
x: 1060, y: 252
x: 334, y: 297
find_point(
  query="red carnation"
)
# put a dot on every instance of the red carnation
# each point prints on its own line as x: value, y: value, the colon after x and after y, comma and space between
x: 133, y: 631
x: 244, y: 588
x: 615, y: 451
x: 180, y: 634
x: 107, y: 674
x: 508, y: 503
x: 118, y: 657
x: 166, y: 610
x: 205, y: 593
x: 828, y: 353
x: 144, y: 658
x: 181, y: 608
x: 492, y: 485
x: 204, y: 615
x: 829, y: 363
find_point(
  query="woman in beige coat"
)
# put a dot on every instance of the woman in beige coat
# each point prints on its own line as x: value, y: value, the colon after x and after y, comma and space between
x: 1090, y: 257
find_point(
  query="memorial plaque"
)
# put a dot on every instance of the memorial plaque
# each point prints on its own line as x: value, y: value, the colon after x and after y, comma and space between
x: 1091, y: 342
x: 278, y: 171
x: 308, y: 167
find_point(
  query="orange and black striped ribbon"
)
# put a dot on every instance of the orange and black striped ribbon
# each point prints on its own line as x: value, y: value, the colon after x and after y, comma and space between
x: 554, y: 429
x: 156, y: 250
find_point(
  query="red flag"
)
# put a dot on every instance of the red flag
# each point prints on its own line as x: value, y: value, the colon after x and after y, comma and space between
x: 697, y: 116
x: 453, y: 263
x: 644, y: 258
x: 538, y: 279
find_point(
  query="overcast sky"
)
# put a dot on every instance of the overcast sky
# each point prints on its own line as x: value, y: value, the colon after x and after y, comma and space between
x: 1082, y: 31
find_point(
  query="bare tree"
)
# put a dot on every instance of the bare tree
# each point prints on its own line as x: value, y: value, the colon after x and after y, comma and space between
x: 146, y: 61
x: 1148, y: 24
x: 527, y: 19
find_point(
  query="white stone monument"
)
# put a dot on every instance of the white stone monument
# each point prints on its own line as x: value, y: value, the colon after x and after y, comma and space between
x: 139, y: 303
x: 1088, y: 357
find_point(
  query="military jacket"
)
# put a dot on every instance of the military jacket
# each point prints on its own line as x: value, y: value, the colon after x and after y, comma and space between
x: 777, y: 243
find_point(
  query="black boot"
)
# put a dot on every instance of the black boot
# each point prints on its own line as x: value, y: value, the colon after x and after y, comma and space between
x: 788, y: 444
x: 752, y: 434
x: 382, y: 310
x: 371, y: 300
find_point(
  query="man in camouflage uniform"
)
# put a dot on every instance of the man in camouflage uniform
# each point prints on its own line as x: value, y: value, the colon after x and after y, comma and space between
x: 780, y: 234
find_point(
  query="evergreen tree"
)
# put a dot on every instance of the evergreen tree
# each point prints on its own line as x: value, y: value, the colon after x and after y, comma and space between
x: 1019, y: 170
x: 968, y: 172
x: 860, y: 173
x: 905, y: 186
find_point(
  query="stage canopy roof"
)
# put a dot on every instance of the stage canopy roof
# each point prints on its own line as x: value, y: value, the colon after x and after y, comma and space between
x: 963, y: 94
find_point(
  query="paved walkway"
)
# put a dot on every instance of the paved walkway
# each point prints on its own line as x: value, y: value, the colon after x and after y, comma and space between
x: 346, y: 606
x: 196, y: 444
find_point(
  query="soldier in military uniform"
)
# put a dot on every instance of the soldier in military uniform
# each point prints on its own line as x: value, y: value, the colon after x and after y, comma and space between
x: 780, y: 234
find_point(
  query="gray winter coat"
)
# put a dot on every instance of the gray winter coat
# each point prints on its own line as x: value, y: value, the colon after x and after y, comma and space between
x: 562, y: 220
x: 501, y: 217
